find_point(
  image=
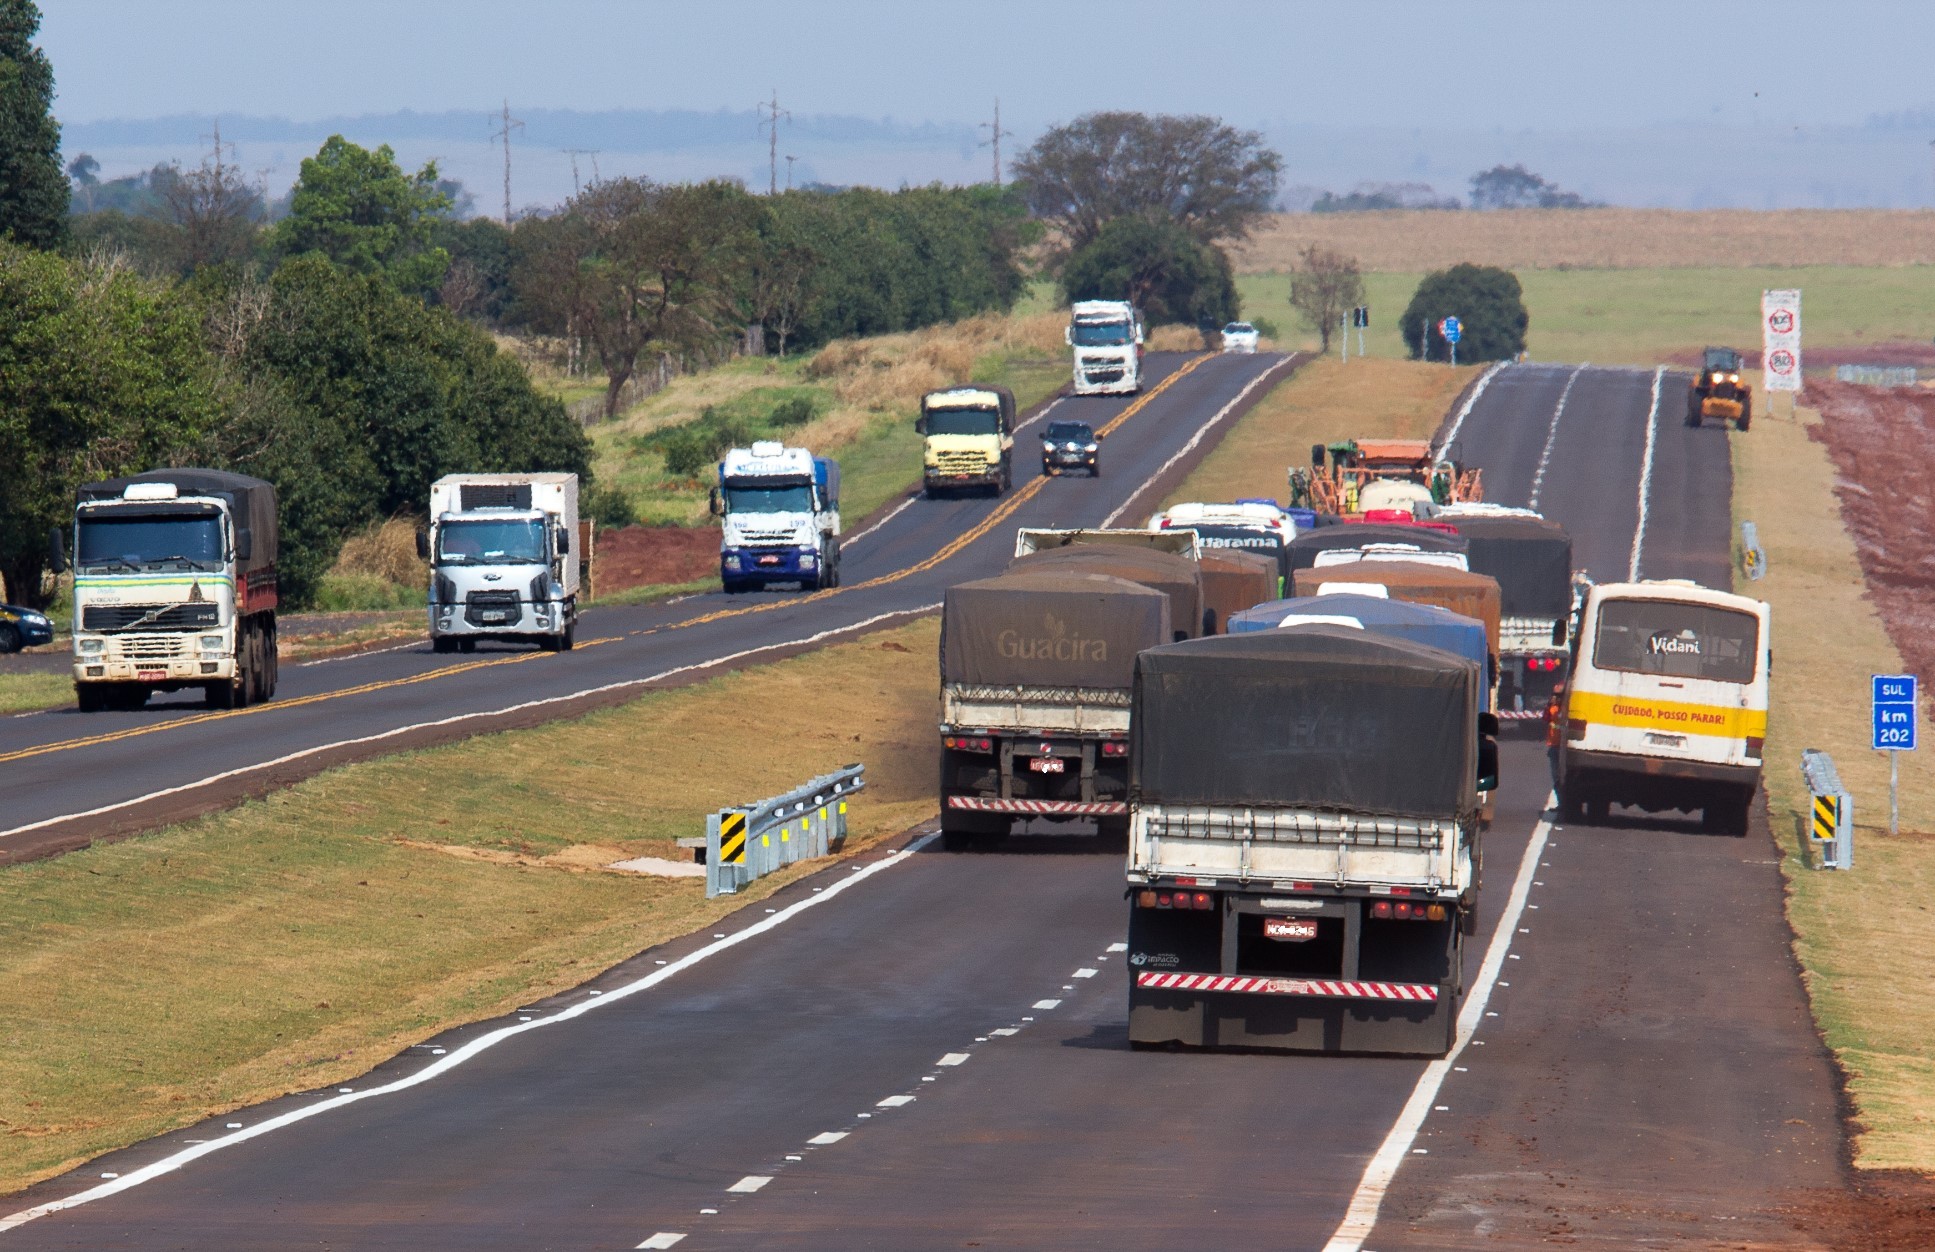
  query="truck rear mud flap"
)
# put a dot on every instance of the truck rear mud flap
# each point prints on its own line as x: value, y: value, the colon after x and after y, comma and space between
x: 1291, y: 1014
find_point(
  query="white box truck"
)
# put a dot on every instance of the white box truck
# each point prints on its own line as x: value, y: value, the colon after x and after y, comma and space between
x: 501, y: 564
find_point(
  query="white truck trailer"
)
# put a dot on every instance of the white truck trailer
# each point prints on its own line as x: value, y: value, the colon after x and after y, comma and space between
x: 501, y: 561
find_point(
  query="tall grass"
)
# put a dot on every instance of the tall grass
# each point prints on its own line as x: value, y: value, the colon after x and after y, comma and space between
x: 378, y: 568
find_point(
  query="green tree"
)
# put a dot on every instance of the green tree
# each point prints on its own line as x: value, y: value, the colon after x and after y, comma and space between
x: 362, y: 211
x: 102, y: 373
x: 1325, y: 286
x: 33, y: 187
x: 1159, y: 266
x: 1489, y: 306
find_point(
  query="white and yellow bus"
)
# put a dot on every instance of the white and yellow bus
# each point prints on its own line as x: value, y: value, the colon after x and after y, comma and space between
x: 1667, y: 704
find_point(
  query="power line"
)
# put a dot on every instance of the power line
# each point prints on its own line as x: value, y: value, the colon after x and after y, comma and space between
x: 770, y: 124
x: 993, y: 140
x: 574, y: 154
x: 503, y: 132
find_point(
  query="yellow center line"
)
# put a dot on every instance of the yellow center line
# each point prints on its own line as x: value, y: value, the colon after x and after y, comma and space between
x: 1001, y: 513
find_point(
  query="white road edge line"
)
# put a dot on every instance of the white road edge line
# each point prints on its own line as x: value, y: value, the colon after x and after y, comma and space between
x: 1198, y: 437
x: 1361, y: 1216
x: 1552, y: 437
x: 1646, y: 475
x: 468, y: 1051
x: 354, y: 656
x: 1471, y: 402
x: 258, y: 766
x: 664, y: 1239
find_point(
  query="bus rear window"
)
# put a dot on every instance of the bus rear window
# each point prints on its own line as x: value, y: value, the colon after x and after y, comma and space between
x: 1677, y: 640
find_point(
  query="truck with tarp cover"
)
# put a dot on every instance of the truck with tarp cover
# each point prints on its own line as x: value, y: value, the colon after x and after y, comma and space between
x: 1303, y: 843
x: 1305, y: 548
x: 1035, y: 674
x: 1470, y: 595
x: 1531, y: 560
x: 1165, y: 561
x: 1234, y: 580
x: 174, y: 588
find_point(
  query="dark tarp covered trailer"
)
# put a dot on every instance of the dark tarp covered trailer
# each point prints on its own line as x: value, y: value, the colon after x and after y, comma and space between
x: 1233, y: 581
x: 1469, y: 595
x: 250, y: 500
x: 1177, y: 577
x: 1305, y: 547
x: 1427, y: 624
x: 1320, y: 717
x: 1530, y: 558
x: 1049, y: 629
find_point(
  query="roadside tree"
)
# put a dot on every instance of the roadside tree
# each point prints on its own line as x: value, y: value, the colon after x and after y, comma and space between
x: 1486, y: 300
x: 1515, y: 187
x: 215, y: 214
x: 1325, y: 286
x: 1159, y: 266
x: 1210, y: 178
x: 362, y: 211
x: 33, y: 187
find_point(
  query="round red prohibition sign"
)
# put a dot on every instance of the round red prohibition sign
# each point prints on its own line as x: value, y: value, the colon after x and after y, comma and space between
x: 1781, y: 321
x: 1780, y: 361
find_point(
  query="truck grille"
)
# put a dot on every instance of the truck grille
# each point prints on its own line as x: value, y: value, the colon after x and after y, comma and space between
x: 961, y: 463
x: 492, y: 608
x: 768, y: 538
x: 109, y: 617
x: 154, y: 647
x: 1104, y: 373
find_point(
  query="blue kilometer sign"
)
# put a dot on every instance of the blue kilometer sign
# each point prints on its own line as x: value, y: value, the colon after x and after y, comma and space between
x: 1451, y: 329
x: 1894, y: 701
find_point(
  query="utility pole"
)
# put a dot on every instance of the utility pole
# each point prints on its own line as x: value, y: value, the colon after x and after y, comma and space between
x: 574, y: 154
x: 994, y: 138
x: 504, y: 132
x: 770, y: 123
x: 790, y: 158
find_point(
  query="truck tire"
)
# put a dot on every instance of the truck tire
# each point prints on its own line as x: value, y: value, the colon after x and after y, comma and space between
x: 90, y: 697
x: 466, y: 645
x: 1746, y: 412
x: 128, y: 697
x: 441, y: 644
x: 569, y: 639
x: 273, y: 648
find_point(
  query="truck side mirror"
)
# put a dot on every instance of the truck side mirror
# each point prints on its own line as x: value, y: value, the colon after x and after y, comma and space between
x: 423, y: 545
x: 1488, y: 724
x: 56, y: 551
x: 244, y: 544
x: 920, y: 425
x: 1068, y: 335
x: 564, y: 542
x: 713, y: 504
x: 1316, y: 456
x: 1488, y: 764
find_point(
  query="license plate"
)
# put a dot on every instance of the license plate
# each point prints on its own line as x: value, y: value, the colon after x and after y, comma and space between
x: 150, y: 675
x: 769, y: 560
x: 497, y: 617
x: 1047, y: 764
x: 1295, y: 929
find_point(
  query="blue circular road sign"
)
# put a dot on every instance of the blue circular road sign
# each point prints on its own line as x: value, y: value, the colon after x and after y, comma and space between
x: 1450, y: 329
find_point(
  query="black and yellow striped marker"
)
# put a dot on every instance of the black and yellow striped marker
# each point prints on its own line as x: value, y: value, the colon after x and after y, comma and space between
x: 1827, y: 817
x: 732, y: 838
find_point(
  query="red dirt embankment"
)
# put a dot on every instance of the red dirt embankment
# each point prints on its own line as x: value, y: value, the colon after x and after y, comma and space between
x: 652, y: 556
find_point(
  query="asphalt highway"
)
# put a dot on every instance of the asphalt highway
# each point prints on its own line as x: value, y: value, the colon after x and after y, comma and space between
x: 70, y: 777
x: 927, y: 1050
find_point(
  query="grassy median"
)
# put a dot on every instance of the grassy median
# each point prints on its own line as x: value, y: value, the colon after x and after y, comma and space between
x: 1862, y: 937
x: 297, y: 941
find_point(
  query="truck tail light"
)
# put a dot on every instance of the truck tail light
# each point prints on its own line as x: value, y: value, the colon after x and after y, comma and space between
x: 1115, y: 747
x: 961, y: 743
x: 1381, y: 909
x: 1404, y: 910
x: 1201, y: 900
x: 1145, y: 899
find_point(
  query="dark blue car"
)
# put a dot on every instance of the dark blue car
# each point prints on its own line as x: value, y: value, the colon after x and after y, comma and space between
x: 23, y: 628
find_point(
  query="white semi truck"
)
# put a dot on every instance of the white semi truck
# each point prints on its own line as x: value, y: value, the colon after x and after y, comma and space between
x: 1107, y: 338
x: 779, y: 511
x: 501, y: 560
x: 174, y: 588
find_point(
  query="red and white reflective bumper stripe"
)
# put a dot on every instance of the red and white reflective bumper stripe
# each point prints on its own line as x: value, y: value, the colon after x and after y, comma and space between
x: 1425, y: 992
x: 1521, y: 715
x: 1074, y: 808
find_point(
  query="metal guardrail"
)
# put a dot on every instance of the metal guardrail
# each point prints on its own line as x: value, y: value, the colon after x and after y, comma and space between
x: 1830, y: 810
x: 751, y: 841
x: 1877, y: 375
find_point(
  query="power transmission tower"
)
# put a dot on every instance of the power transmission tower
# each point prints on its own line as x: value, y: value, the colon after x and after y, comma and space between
x: 770, y: 123
x: 503, y: 132
x: 574, y: 154
x: 790, y: 158
x: 993, y: 140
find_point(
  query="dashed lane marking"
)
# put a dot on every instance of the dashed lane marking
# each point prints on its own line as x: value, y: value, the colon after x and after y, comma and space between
x: 894, y: 1102
x: 1646, y: 476
x: 831, y: 1136
x: 953, y: 1058
x: 749, y: 1184
x: 664, y: 1239
x: 1551, y: 437
x: 1045, y: 1004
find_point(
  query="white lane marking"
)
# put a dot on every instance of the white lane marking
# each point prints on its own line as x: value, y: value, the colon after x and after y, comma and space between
x: 1646, y: 475
x: 953, y: 1058
x: 1086, y: 973
x: 850, y: 540
x: 1118, y: 947
x: 1045, y: 1004
x: 664, y: 1239
x: 1049, y: 408
x: 1552, y: 437
x: 894, y: 1102
x: 831, y: 1136
x: 1005, y: 1030
x: 750, y: 1183
x: 468, y: 1051
x: 351, y: 656
x: 380, y: 736
x: 1471, y: 402
x: 1361, y: 1217
x: 1197, y: 438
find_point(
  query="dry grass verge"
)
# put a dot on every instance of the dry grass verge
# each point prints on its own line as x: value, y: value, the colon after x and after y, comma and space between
x: 1417, y: 240
x: 1327, y: 399
x: 1862, y: 937
x: 297, y: 941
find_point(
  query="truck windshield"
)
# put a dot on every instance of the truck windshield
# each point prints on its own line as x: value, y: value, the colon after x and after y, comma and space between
x: 1677, y: 640
x: 107, y: 538
x: 796, y: 498
x: 963, y: 422
x: 1101, y: 334
x: 506, y: 541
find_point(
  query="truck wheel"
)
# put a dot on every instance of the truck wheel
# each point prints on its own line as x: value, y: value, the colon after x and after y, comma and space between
x: 466, y: 645
x: 130, y: 696
x: 569, y: 639
x: 1598, y: 810
x: 1746, y: 412
x: 90, y: 697
x: 443, y: 645
x: 273, y: 648
x: 219, y: 695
